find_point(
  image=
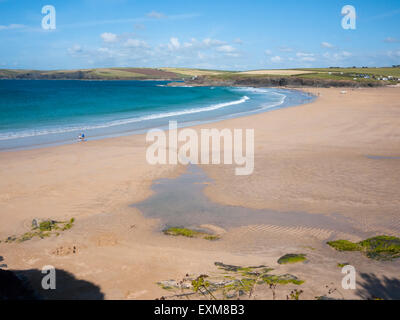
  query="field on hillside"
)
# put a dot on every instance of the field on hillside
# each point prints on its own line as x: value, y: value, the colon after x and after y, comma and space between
x: 275, y: 72
x: 354, y: 75
x: 194, y: 72
x: 96, y: 73
x: 395, y: 72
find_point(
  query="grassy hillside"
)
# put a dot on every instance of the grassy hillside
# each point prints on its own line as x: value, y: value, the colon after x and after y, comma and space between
x: 311, y: 76
x: 108, y: 74
x: 395, y: 72
x: 88, y: 74
x: 194, y: 72
x: 277, y: 72
x: 352, y: 76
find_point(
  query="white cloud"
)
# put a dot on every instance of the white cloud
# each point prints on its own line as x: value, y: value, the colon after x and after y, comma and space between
x: 139, y: 26
x: 238, y: 41
x: 206, y: 44
x: 109, y: 37
x: 337, y: 56
x: 126, y: 50
x: 103, y: 50
x: 391, y: 40
x: 156, y: 15
x: 285, y: 49
x: 268, y: 52
x: 135, y: 43
x: 188, y: 45
x: 308, y: 57
x: 76, y: 48
x: 12, y: 26
x: 303, y: 54
x: 174, y: 44
x: 232, y: 54
x: 327, y: 45
x: 346, y: 54
x: 226, y: 48
x: 213, y: 42
x: 394, y: 54
x: 276, y: 59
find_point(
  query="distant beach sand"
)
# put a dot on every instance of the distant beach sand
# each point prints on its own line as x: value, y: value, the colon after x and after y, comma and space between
x: 336, y: 157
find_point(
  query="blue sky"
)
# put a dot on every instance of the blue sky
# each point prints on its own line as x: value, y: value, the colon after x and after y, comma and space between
x: 217, y: 34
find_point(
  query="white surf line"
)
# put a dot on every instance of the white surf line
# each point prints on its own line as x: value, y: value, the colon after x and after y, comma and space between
x: 34, y: 133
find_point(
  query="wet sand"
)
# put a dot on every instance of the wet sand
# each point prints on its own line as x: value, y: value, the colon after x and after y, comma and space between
x: 339, y: 155
x: 335, y: 159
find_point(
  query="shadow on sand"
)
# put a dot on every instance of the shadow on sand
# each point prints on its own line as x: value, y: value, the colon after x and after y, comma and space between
x: 26, y: 285
x: 373, y: 287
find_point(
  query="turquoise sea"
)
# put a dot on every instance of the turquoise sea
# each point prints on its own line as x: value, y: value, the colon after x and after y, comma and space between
x: 36, y: 113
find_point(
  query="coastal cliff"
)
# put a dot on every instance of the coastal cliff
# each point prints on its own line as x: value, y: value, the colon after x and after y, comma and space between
x: 279, y: 82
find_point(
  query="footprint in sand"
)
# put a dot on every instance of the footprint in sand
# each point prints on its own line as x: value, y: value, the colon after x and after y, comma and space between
x: 65, y: 250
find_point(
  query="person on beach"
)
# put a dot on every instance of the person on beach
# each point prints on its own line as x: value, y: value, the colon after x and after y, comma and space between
x: 82, y: 137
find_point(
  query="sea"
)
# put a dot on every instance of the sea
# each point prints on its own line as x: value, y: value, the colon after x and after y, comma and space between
x: 39, y: 113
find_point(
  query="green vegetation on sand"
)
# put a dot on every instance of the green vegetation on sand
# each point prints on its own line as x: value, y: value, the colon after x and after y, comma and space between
x: 344, y: 245
x: 235, y: 282
x: 341, y: 265
x: 43, y: 229
x: 282, y: 279
x: 378, y: 248
x: 176, y: 231
x: 292, y: 258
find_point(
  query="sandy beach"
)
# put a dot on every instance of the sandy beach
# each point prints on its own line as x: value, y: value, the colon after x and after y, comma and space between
x: 334, y: 162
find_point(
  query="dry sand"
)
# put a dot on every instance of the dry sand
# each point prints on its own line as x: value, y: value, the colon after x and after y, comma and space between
x: 311, y: 158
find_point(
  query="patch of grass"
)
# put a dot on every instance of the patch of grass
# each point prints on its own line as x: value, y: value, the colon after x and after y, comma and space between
x: 227, y: 267
x: 294, y: 294
x: 212, y: 237
x: 254, y: 271
x: 344, y: 245
x: 189, y: 233
x: 47, y: 225
x: 43, y: 230
x: 68, y: 225
x: 243, y: 284
x: 292, y: 258
x: 240, y: 281
x: 10, y: 239
x: 378, y: 248
x: 341, y: 265
x: 163, y: 286
x: 281, y: 279
x: 180, y: 232
x: 27, y: 236
x: 381, y: 247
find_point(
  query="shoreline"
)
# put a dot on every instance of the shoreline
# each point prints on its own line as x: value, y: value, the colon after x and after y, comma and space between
x: 310, y: 158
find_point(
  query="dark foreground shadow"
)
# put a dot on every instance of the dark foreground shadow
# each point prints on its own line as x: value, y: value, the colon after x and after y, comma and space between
x: 27, y: 285
x: 373, y: 287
